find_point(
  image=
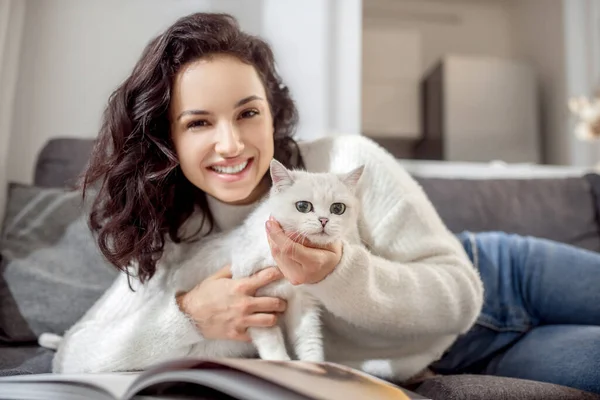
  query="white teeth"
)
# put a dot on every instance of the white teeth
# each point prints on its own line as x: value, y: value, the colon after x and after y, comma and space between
x: 234, y: 169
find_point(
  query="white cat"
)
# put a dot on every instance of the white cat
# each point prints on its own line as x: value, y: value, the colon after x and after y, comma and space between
x: 323, y: 207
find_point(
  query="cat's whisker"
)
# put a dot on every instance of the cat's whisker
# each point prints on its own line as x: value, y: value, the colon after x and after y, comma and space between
x: 293, y: 240
x: 298, y: 235
x: 303, y: 235
x: 287, y: 244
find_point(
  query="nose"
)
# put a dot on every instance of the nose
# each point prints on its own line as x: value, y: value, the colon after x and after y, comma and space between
x: 228, y: 142
x: 323, y: 221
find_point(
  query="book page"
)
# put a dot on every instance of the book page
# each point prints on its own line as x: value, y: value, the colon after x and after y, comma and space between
x: 228, y: 382
x: 322, y: 380
x: 313, y: 380
x: 116, y: 384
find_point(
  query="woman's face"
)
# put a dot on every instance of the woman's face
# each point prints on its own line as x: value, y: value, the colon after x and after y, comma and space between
x: 222, y: 128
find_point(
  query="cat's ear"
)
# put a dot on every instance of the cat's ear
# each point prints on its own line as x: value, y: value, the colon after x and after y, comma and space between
x: 280, y: 175
x: 351, y: 178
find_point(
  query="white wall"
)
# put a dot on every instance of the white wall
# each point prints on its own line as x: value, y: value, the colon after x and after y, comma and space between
x: 559, y: 38
x: 490, y: 110
x: 345, y: 68
x: 302, y: 56
x: 419, y: 33
x: 538, y: 35
x: 318, y: 51
x: 12, y: 15
x: 582, y: 40
x: 75, y: 53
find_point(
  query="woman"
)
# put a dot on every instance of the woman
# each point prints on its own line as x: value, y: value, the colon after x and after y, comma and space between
x: 184, y: 151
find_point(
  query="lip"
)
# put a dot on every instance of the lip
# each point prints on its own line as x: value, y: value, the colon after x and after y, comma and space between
x: 230, y: 162
x: 232, y: 177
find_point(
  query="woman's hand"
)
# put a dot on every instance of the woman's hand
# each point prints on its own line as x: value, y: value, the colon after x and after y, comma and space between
x: 299, y: 260
x: 224, y: 308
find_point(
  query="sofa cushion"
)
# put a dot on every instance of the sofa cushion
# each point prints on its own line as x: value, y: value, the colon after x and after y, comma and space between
x: 61, y: 161
x: 560, y: 209
x: 19, y: 360
x: 51, y: 270
x: 482, y: 387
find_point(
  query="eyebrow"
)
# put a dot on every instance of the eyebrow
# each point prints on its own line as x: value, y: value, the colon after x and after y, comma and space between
x: 204, y: 112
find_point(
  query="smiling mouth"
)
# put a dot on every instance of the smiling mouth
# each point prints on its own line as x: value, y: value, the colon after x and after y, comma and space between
x: 230, y: 169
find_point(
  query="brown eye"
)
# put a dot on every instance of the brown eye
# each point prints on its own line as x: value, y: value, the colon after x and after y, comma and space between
x: 197, y: 124
x: 304, y: 207
x: 337, y: 208
x: 249, y: 113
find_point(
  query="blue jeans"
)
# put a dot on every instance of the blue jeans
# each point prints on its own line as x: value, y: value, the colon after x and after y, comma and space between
x: 541, y: 314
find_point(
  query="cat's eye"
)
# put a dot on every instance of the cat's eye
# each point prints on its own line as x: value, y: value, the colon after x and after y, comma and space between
x: 304, y: 206
x: 337, y: 208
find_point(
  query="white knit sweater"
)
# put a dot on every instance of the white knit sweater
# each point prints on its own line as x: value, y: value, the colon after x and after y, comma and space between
x: 390, y: 310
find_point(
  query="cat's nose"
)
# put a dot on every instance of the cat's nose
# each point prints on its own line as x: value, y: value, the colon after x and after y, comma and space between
x: 323, y: 221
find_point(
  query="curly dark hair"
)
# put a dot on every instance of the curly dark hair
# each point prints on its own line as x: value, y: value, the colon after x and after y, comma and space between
x: 142, y: 194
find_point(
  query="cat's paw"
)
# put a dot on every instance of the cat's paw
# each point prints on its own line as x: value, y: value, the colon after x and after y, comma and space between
x: 276, y: 356
x: 50, y: 340
x: 315, y: 356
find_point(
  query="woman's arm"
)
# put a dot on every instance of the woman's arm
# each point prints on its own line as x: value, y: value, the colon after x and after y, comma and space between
x: 415, y: 278
x: 130, y: 330
x: 419, y: 283
x: 127, y: 330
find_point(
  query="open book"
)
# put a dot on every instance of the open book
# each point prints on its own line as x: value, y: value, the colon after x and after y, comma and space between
x: 223, y: 379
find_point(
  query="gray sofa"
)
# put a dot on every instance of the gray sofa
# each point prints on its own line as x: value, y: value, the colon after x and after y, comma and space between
x: 52, y: 271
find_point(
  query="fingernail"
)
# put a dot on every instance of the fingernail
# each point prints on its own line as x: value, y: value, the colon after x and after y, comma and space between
x: 269, y: 225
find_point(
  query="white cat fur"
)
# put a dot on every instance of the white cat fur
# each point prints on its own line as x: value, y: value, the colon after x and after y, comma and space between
x: 247, y: 249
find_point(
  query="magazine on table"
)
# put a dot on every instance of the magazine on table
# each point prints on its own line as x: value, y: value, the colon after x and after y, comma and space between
x: 210, y: 379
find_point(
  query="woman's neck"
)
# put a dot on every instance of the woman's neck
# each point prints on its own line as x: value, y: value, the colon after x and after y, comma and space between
x: 227, y: 215
x: 258, y: 193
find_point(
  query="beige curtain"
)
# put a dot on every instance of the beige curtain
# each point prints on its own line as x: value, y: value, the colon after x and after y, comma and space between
x: 12, y: 14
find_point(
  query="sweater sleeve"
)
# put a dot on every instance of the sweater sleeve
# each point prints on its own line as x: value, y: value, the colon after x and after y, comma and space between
x: 413, y: 277
x: 127, y: 330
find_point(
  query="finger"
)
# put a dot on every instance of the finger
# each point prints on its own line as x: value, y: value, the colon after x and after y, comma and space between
x: 280, y: 242
x: 310, y: 257
x: 241, y: 336
x: 262, y: 278
x: 267, y: 305
x: 260, y: 320
x: 298, y: 238
x: 223, y: 273
x: 291, y: 270
x: 292, y: 236
x: 299, y: 253
x: 296, y: 248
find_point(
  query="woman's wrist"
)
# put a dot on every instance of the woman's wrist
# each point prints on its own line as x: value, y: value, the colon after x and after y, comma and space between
x: 342, y: 275
x: 182, y: 302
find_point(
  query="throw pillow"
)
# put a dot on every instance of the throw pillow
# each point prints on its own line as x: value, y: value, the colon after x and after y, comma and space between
x: 51, y: 271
